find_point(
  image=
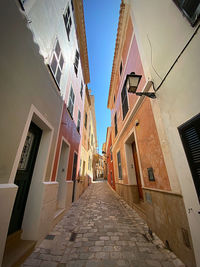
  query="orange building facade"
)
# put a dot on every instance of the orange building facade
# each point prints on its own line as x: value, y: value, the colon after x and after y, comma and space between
x: 109, y: 157
x: 139, y: 168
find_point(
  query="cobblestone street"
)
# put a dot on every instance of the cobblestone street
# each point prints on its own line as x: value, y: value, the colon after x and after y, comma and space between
x: 100, y: 229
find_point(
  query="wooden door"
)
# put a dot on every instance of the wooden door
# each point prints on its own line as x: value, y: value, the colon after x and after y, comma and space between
x: 74, y: 175
x: 24, y: 176
x: 137, y: 171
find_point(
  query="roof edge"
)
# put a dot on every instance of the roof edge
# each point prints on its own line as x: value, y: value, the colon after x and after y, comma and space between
x: 81, y: 37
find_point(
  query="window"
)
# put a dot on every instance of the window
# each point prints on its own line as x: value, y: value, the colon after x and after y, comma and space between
x: 79, y: 121
x: 81, y: 91
x: 76, y: 61
x: 120, y: 69
x: 72, y: 4
x: 190, y: 136
x: 71, y: 102
x: 92, y: 139
x: 89, y: 131
x: 114, y: 98
x: 57, y: 62
x: 68, y: 21
x: 190, y: 8
x: 85, y: 120
x: 74, y: 167
x: 115, y: 120
x: 119, y: 165
x: 89, y: 164
x: 124, y: 100
x: 111, y: 153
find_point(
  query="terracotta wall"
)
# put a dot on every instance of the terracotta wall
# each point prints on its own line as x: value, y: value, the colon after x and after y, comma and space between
x: 146, y: 133
x: 110, y: 167
x: 133, y: 64
x: 150, y: 153
x: 69, y: 132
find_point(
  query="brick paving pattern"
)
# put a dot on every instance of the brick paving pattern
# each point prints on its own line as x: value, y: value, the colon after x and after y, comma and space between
x: 101, y: 230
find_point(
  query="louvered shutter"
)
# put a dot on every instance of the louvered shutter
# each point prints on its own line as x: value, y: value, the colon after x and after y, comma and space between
x: 190, y: 135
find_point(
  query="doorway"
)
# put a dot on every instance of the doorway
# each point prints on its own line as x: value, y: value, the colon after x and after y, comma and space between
x: 74, y: 175
x: 24, y: 175
x: 137, y: 171
x: 61, y: 176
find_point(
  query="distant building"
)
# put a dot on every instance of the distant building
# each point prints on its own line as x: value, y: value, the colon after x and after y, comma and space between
x: 109, y: 158
x: 89, y: 140
x: 104, y: 161
x: 100, y: 167
x: 155, y: 142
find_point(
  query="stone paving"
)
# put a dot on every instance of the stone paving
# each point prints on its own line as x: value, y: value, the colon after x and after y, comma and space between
x: 101, y: 230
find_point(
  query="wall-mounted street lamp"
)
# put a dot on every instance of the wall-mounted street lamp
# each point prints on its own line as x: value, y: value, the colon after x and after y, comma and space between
x: 132, y: 81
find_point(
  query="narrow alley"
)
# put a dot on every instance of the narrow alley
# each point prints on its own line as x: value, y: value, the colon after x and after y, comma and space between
x: 101, y: 230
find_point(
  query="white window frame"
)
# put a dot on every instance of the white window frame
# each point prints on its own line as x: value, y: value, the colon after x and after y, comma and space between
x: 58, y: 57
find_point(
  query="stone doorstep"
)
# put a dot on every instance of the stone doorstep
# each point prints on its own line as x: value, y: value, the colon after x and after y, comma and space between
x: 16, y: 253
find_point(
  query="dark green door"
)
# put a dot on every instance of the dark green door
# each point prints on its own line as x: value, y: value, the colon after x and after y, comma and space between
x: 24, y: 175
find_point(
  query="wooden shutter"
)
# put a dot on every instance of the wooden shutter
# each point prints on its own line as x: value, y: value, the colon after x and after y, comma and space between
x: 190, y: 135
x: 124, y: 101
x: 115, y: 119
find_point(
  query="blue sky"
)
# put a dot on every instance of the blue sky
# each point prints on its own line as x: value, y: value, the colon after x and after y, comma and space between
x: 101, y: 20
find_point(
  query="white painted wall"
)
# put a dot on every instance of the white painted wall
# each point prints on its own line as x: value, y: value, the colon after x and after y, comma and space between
x: 7, y: 198
x: 161, y: 38
x: 27, y: 93
x: 47, y: 24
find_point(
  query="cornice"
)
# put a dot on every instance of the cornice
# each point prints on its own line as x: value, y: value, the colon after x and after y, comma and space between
x: 121, y: 30
x: 81, y: 37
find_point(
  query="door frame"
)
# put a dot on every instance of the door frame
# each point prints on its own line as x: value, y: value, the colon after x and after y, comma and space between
x: 62, y: 182
x: 132, y: 137
x: 31, y: 220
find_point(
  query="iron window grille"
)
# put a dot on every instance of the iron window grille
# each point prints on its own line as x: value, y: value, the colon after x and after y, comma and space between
x: 115, y: 120
x: 57, y: 62
x: 68, y: 21
x: 79, y: 121
x: 76, y: 61
x: 71, y: 102
x: 190, y: 8
x: 119, y: 165
x: 124, y: 100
